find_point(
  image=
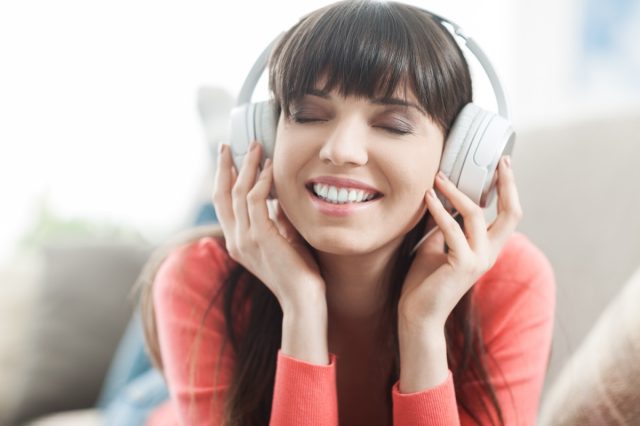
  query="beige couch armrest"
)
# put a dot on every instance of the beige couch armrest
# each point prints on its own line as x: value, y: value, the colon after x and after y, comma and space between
x: 600, y: 384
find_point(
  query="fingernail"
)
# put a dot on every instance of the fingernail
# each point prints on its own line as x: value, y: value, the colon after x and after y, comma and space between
x: 507, y: 161
x: 221, y: 148
x: 254, y: 145
x: 267, y: 163
x: 442, y: 176
x: 432, y: 193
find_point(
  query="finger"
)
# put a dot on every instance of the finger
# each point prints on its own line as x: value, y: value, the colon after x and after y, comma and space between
x: 244, y: 183
x: 257, y: 202
x: 434, y: 243
x: 509, y: 209
x: 453, y: 235
x: 475, y: 226
x: 433, y: 239
x: 286, y: 228
x: 223, y: 183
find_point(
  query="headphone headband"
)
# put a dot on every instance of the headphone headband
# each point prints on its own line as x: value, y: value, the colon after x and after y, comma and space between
x: 260, y: 64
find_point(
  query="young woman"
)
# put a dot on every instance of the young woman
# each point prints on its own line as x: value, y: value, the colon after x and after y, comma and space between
x: 320, y: 314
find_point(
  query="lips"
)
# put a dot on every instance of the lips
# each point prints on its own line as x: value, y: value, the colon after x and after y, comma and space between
x: 343, y: 183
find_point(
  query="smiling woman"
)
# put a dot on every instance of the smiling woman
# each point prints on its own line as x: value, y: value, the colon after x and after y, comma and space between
x: 321, y: 313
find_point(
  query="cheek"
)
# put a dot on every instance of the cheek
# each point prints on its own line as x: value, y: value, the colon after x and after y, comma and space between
x: 289, y: 159
x: 414, y: 174
x: 283, y: 156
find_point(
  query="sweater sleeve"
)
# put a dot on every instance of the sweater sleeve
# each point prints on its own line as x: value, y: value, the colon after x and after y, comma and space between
x: 515, y: 301
x: 304, y: 393
x: 184, y: 286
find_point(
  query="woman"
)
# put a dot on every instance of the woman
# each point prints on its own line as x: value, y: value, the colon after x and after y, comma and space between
x: 321, y: 314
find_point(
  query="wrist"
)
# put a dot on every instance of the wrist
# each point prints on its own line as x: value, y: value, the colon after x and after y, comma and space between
x: 422, y: 333
x: 310, y: 304
x: 423, y: 358
x: 412, y: 322
x: 413, y: 317
x: 304, y: 335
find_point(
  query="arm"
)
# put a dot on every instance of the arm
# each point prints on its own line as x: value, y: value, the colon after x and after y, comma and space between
x: 305, y: 386
x: 184, y: 285
x: 516, y: 302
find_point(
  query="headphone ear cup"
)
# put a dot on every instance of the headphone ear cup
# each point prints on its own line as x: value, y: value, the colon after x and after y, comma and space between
x: 456, y: 138
x: 476, y: 141
x: 249, y: 122
x: 265, y: 126
x: 454, y: 148
x: 241, y: 132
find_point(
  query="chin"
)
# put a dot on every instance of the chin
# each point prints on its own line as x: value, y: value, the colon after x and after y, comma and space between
x: 344, y: 244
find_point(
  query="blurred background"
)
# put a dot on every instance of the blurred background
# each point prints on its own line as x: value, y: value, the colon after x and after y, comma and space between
x: 108, y: 111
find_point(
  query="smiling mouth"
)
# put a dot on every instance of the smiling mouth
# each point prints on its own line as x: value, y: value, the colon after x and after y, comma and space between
x: 340, y: 195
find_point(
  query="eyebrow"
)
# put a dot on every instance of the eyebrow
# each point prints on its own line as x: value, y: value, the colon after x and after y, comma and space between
x: 376, y: 101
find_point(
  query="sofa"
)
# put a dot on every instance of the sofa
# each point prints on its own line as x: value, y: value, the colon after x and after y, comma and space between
x: 64, y: 308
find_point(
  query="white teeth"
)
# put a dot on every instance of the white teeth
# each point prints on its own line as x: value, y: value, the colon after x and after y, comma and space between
x: 336, y: 195
x: 343, y: 194
x: 333, y: 193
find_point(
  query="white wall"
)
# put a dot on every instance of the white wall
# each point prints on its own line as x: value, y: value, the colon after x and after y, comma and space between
x: 557, y: 80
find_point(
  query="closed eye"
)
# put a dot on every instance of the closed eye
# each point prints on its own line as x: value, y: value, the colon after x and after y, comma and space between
x: 302, y: 119
x: 396, y: 131
x: 393, y: 130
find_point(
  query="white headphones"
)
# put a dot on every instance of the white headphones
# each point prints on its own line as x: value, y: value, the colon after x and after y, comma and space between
x: 476, y: 141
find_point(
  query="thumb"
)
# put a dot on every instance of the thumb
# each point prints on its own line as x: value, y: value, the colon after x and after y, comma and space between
x: 434, y: 243
x: 287, y: 230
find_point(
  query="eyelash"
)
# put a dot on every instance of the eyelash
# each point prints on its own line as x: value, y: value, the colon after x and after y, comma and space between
x: 302, y: 120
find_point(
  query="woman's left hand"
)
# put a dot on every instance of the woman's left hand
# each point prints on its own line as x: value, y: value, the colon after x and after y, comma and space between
x: 437, y: 280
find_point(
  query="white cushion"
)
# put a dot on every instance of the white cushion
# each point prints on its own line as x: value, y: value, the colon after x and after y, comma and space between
x: 90, y: 417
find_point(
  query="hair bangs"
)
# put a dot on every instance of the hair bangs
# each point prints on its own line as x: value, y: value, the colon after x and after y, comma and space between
x: 373, y: 50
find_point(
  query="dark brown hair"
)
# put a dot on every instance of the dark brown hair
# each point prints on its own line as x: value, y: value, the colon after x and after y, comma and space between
x: 368, y: 49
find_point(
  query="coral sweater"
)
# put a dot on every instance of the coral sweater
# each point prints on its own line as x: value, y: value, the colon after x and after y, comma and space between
x: 515, y: 300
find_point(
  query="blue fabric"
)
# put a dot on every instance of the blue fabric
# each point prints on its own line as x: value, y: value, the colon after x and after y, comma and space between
x: 206, y: 215
x: 129, y: 362
x: 134, y: 403
x: 133, y: 387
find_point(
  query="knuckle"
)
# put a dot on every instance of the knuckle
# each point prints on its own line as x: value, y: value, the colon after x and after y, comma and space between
x: 484, y: 265
x: 255, y: 235
x: 217, y: 197
x: 450, y: 225
x: 244, y: 244
x: 232, y: 249
x: 468, y: 267
x: 253, y: 196
x: 237, y: 191
x: 517, y: 213
x: 475, y: 210
x: 478, y: 268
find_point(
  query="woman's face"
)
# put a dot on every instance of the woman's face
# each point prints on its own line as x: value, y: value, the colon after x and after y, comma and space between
x: 351, y: 173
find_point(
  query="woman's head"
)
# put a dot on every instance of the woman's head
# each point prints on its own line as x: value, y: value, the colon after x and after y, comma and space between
x: 366, y: 90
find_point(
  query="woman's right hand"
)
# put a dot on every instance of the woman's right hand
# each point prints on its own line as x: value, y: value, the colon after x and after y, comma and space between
x: 272, y: 250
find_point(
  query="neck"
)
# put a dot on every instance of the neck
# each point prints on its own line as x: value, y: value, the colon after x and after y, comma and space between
x: 356, y: 289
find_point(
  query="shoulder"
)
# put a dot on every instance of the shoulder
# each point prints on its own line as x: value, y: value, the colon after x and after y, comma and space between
x: 522, y: 264
x: 519, y: 287
x: 198, y: 266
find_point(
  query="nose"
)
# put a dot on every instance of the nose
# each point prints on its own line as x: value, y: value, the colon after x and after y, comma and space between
x: 346, y: 144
